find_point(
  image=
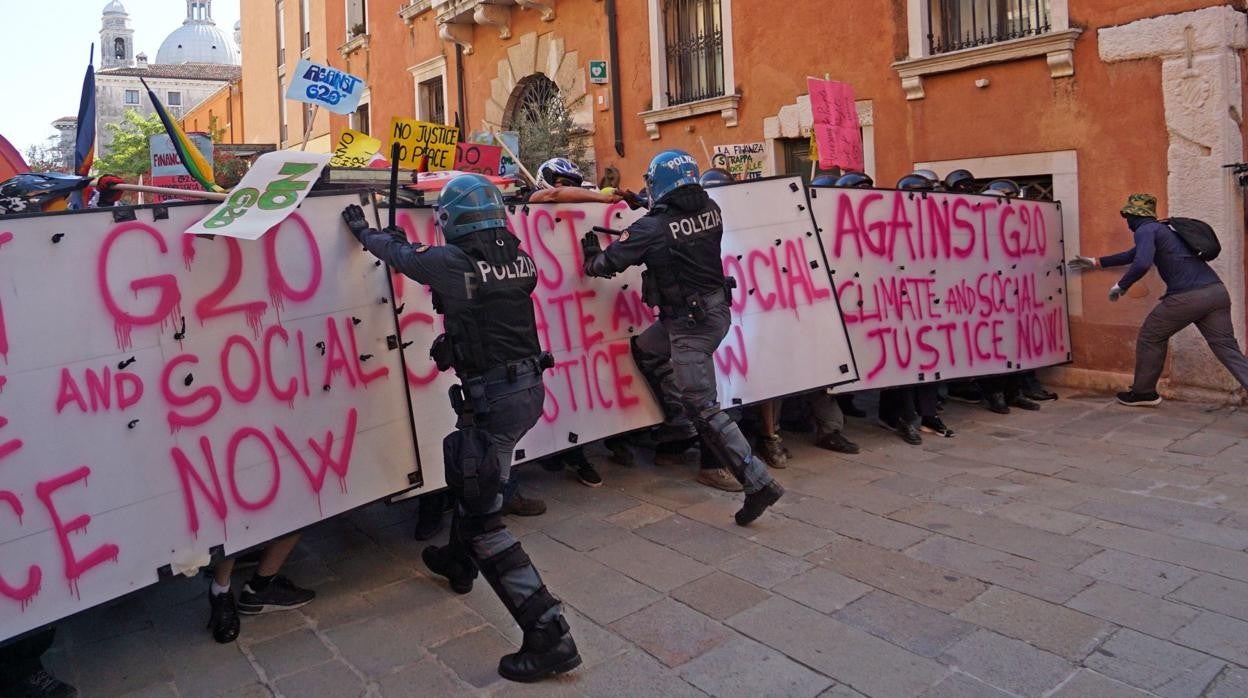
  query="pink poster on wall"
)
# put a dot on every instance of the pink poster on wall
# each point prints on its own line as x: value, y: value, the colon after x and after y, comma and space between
x: 836, y: 124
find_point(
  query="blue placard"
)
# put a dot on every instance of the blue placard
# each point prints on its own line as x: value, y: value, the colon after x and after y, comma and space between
x: 328, y: 87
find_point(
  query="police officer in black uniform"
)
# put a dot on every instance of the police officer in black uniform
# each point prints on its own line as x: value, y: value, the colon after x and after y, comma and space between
x: 482, y: 283
x: 678, y: 241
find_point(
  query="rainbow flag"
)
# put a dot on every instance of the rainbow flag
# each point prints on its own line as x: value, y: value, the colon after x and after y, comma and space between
x: 193, y: 160
x: 84, y: 139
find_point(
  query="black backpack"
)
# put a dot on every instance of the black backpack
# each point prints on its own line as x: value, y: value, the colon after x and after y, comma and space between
x: 1198, y: 236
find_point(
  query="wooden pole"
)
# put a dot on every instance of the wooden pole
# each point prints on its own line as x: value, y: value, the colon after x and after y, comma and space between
x: 307, y: 133
x: 534, y: 180
x: 169, y: 191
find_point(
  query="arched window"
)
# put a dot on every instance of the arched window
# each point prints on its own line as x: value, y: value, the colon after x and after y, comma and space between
x: 119, y: 48
x: 538, y: 114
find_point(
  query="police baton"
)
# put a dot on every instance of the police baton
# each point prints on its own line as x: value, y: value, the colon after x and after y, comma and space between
x: 607, y: 231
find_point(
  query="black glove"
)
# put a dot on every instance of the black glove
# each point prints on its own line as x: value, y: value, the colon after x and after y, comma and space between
x: 633, y: 200
x: 590, y: 248
x: 354, y: 217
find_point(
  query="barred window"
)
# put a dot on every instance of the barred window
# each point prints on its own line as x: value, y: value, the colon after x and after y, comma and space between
x: 962, y: 24
x: 694, y: 44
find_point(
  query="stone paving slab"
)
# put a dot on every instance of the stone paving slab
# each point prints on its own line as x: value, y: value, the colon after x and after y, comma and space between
x: 1059, y: 553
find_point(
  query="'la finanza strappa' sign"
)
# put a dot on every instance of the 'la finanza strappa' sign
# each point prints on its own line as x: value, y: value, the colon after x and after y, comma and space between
x: 164, y: 396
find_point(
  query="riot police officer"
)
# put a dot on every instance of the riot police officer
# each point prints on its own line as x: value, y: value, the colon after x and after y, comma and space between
x: 678, y: 241
x: 482, y: 284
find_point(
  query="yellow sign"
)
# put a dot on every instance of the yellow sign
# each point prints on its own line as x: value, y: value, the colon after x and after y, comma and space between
x: 422, y: 140
x: 814, y: 148
x: 354, y: 149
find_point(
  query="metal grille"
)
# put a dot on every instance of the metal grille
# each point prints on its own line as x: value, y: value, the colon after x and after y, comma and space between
x: 694, y: 37
x: 962, y: 24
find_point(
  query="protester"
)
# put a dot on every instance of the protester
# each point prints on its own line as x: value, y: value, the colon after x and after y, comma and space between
x: 770, y: 444
x: 265, y: 592
x: 1194, y: 296
x: 685, y: 280
x: 829, y: 422
x: 575, y: 460
x: 491, y: 343
x: 1033, y: 389
x: 22, y: 674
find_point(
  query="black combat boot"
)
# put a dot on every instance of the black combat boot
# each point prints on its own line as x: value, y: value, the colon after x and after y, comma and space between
x: 757, y: 502
x: 459, y: 570
x: 548, y: 649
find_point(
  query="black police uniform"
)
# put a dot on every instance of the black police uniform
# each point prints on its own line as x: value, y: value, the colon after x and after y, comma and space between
x: 483, y: 287
x: 678, y: 241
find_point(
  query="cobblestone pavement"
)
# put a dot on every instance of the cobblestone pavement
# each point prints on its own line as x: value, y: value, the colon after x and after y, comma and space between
x: 1084, y: 550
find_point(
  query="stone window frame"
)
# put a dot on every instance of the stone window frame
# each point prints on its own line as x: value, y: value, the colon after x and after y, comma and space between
x: 795, y: 121
x: 1057, y: 46
x: 1062, y: 166
x: 660, y: 111
x: 138, y: 98
x: 424, y: 71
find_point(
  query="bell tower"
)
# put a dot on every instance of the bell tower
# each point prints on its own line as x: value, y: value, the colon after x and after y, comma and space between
x: 116, y: 37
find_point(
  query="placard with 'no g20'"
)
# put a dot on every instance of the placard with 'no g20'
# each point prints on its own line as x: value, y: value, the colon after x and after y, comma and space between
x: 271, y: 190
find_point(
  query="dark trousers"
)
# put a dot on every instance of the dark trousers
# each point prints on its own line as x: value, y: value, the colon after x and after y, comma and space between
x: 1209, y: 308
x: 908, y: 404
x: 21, y: 658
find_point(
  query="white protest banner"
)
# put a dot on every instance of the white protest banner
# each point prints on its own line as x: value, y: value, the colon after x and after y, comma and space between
x: 168, y: 170
x: 742, y: 161
x: 269, y: 192
x: 163, y: 395
x: 324, y: 86
x: 783, y: 291
x: 945, y: 286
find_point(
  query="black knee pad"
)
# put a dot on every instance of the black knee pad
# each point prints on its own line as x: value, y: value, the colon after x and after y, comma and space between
x: 526, y: 611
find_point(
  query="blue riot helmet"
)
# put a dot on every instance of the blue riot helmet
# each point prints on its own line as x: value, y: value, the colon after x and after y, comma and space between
x: 669, y: 171
x: 915, y: 182
x: 824, y: 180
x: 715, y: 177
x: 467, y: 204
x: 1003, y: 187
x: 961, y: 181
x: 855, y: 180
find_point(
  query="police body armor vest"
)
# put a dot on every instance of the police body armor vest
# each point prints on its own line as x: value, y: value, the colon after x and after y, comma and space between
x: 495, y: 324
x: 694, y: 266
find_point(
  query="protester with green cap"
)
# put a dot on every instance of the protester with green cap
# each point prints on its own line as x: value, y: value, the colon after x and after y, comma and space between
x: 1194, y: 296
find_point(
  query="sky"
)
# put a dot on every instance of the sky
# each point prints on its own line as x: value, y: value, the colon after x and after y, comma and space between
x: 44, y: 46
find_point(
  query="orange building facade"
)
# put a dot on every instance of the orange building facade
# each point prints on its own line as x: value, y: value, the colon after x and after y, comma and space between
x: 222, y: 111
x: 1086, y: 101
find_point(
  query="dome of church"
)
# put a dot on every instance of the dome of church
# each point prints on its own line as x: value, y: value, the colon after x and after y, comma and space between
x: 114, y: 8
x: 198, y: 40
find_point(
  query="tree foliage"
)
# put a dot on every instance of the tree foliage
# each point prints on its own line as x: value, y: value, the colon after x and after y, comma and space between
x: 545, y: 127
x: 48, y: 158
x: 129, y: 154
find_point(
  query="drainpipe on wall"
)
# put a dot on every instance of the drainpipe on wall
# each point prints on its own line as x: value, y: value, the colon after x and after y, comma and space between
x: 459, y: 86
x: 613, y: 41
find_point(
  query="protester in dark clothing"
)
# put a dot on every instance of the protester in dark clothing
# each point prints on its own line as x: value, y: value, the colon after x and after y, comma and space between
x: 909, y: 409
x: 22, y: 674
x: 1194, y: 296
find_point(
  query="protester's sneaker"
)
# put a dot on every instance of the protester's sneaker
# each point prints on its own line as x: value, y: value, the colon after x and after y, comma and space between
x: 935, y: 425
x: 757, y: 503
x: 1039, y: 394
x: 907, y: 431
x: 223, y: 617
x: 836, y: 441
x: 588, y: 476
x: 280, y: 595
x: 719, y: 478
x: 621, y: 451
x: 967, y: 393
x: 995, y: 402
x: 459, y: 571
x: 772, y: 452
x: 39, y: 684
x: 519, y: 505
x: 1131, y: 398
x: 1024, y: 403
x: 548, y: 649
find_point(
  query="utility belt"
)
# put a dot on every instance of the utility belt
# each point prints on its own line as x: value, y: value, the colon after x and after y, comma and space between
x: 696, y: 305
x: 473, y: 393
